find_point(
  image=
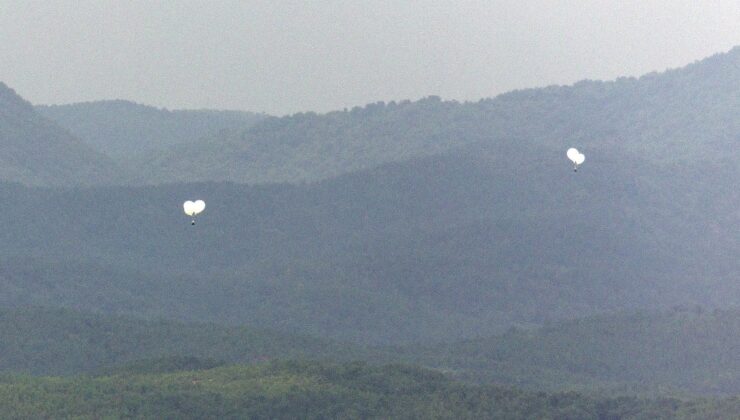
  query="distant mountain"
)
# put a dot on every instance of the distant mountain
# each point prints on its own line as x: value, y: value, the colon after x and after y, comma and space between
x: 688, y: 350
x: 37, y: 151
x: 687, y: 114
x: 310, y: 147
x: 129, y: 132
x: 681, y: 115
x: 447, y: 247
x: 494, y: 231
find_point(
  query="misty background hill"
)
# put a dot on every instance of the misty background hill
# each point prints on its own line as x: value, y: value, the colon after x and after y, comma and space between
x: 131, y: 132
x: 679, y: 116
x: 37, y: 151
x: 682, y: 115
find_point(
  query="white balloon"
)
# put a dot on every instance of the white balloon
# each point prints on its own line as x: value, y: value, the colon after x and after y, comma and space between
x: 189, y: 208
x: 192, y: 208
x: 579, y: 159
x: 572, y: 154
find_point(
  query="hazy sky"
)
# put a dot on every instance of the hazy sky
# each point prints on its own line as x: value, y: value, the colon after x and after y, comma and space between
x: 287, y: 56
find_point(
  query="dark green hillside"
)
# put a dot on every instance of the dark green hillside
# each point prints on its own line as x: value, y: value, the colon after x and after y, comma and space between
x: 290, y: 390
x: 129, y: 131
x: 682, y: 115
x: 687, y: 350
x: 681, y: 352
x: 36, y: 151
x: 495, y: 231
x: 441, y: 248
x: 62, y: 342
x: 310, y: 147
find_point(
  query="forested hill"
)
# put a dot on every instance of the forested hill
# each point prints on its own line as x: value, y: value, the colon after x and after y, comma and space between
x: 129, y: 131
x: 680, y: 352
x: 442, y: 248
x: 289, y: 390
x: 687, y: 350
x: 42, y: 341
x: 36, y: 151
x: 682, y: 115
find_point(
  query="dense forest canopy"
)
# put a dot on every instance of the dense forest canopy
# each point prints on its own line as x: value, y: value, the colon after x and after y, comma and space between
x: 440, y: 248
x: 287, y: 390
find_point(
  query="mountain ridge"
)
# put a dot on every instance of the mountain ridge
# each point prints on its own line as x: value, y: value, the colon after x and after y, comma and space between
x: 129, y: 131
x: 680, y: 115
x: 36, y: 151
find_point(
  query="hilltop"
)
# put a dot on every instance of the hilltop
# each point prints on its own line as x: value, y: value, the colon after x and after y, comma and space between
x: 131, y: 132
x: 682, y: 115
x: 684, y: 350
x: 36, y: 151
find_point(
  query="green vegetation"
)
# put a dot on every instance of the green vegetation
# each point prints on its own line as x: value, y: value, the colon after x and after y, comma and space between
x: 310, y: 390
x: 681, y: 351
x: 63, y: 342
x: 682, y: 115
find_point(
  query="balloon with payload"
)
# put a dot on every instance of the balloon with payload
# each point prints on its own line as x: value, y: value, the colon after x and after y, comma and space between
x: 576, y: 157
x: 193, y: 208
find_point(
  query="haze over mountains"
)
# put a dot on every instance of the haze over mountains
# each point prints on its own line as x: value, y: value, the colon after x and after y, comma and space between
x: 682, y: 115
x: 287, y: 390
x: 686, y: 114
x: 131, y: 132
x: 36, y: 151
x: 471, y: 223
x: 414, y: 224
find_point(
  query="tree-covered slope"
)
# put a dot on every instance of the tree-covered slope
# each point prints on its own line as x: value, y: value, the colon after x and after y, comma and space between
x: 680, y: 352
x: 441, y: 248
x: 686, y: 114
x: 61, y: 342
x: 688, y: 350
x: 310, y: 147
x: 36, y: 151
x: 129, y: 132
x: 288, y: 390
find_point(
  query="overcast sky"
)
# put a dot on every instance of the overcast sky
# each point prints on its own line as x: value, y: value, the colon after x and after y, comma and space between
x: 287, y: 56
